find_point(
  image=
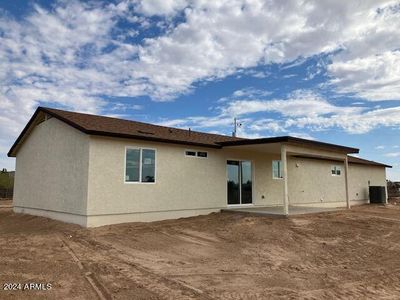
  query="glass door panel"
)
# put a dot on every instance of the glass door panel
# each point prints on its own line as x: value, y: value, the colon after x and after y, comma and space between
x: 246, y: 182
x: 233, y: 182
x: 239, y: 182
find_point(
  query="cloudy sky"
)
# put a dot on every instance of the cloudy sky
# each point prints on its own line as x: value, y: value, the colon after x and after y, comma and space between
x: 326, y: 70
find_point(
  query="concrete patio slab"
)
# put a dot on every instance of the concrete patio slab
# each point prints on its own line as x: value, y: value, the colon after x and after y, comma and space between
x: 277, y: 211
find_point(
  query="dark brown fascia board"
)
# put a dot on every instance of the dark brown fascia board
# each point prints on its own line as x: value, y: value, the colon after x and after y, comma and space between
x: 374, y: 163
x: 292, y: 140
x: 21, y: 136
x: 101, y: 133
x: 369, y: 162
x: 365, y: 161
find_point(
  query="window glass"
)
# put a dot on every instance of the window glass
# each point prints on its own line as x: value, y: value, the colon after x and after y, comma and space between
x: 190, y: 153
x: 246, y: 177
x: 132, y: 169
x: 201, y: 154
x: 276, y: 169
x: 336, y: 171
x: 148, y: 165
x: 233, y: 182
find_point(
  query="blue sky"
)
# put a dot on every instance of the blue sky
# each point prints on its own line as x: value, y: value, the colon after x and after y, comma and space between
x: 318, y: 69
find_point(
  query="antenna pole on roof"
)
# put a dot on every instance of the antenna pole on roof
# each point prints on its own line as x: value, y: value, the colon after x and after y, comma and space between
x: 236, y: 124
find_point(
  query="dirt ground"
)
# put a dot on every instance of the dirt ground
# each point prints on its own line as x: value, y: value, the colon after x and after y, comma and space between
x: 336, y: 255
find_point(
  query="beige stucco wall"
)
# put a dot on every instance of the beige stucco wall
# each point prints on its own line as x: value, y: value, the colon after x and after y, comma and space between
x: 359, y: 175
x: 188, y: 186
x: 182, y: 183
x: 311, y: 181
x: 51, y: 170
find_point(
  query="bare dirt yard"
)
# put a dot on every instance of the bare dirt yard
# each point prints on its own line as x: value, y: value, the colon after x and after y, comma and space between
x: 336, y: 255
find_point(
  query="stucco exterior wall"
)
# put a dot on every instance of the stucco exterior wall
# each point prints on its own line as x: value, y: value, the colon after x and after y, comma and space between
x: 191, y: 186
x: 310, y: 181
x: 361, y: 177
x: 182, y: 183
x: 52, y: 171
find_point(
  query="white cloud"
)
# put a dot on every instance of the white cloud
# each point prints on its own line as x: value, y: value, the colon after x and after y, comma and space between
x: 302, y: 135
x: 305, y: 109
x: 375, y: 77
x: 216, y: 39
x: 380, y: 147
x: 125, y: 107
x: 269, y: 125
x: 161, y: 7
x: 393, y: 154
x: 74, y: 54
x: 198, y: 122
x: 298, y: 103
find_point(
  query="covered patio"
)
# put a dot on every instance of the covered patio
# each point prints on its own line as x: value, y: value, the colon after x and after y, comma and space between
x: 295, y: 149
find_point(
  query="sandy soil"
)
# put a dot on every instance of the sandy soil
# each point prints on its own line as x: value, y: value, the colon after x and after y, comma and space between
x: 4, y: 203
x: 337, y: 255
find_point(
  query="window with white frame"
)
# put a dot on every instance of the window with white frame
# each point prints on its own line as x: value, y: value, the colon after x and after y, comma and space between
x: 202, y: 154
x: 336, y: 171
x: 194, y: 153
x: 190, y: 153
x: 277, y: 169
x: 140, y: 165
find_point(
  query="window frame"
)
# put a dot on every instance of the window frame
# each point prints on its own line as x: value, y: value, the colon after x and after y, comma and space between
x: 196, y: 153
x: 140, y: 164
x: 253, y: 182
x: 188, y: 150
x: 336, y: 168
x: 279, y: 171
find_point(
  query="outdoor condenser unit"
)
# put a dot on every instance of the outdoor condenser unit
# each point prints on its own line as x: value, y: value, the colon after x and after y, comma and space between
x: 377, y: 194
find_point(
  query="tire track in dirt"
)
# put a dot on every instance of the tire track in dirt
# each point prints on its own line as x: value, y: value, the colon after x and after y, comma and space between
x: 164, y: 287
x: 97, y: 287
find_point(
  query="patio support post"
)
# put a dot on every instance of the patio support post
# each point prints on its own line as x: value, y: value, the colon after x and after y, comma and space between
x: 346, y: 178
x: 285, y: 178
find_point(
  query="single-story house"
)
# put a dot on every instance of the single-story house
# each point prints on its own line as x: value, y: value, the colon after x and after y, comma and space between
x: 94, y: 170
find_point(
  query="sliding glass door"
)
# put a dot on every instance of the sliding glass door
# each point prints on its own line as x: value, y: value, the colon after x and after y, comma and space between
x: 239, y: 182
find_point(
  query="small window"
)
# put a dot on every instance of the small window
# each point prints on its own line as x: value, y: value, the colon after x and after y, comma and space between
x: 194, y: 153
x: 336, y: 171
x: 202, y: 154
x: 140, y: 165
x: 190, y: 153
x: 277, y: 169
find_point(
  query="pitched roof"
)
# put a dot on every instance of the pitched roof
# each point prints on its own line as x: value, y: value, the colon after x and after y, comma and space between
x: 107, y: 126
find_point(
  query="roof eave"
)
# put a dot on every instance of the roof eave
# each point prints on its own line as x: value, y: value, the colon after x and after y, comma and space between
x: 152, y: 139
x: 11, y: 152
x: 292, y: 140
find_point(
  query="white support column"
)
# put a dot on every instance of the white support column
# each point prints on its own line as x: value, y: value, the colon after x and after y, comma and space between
x: 346, y: 178
x: 285, y: 180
